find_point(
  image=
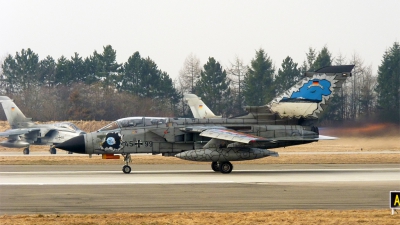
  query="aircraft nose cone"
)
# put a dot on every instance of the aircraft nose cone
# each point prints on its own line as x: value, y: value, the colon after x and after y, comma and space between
x: 75, y: 144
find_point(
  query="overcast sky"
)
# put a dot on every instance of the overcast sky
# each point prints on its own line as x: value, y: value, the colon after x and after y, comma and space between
x: 168, y: 31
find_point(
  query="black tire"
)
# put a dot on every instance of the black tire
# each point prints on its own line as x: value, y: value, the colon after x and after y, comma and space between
x: 225, y: 167
x: 53, y: 151
x: 70, y: 152
x: 126, y: 169
x: 26, y: 151
x: 215, y: 166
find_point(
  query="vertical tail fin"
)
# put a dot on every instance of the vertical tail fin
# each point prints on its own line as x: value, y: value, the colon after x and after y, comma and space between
x: 310, y: 96
x: 13, y: 113
x: 198, y: 108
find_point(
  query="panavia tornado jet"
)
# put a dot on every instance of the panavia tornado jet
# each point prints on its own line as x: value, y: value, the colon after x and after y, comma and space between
x: 24, y: 132
x: 289, y: 119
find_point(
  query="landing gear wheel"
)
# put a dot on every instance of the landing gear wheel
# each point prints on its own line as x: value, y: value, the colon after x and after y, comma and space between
x: 215, y: 166
x: 126, y: 169
x: 70, y: 152
x: 53, y: 151
x: 225, y: 167
x: 26, y: 151
x: 127, y: 160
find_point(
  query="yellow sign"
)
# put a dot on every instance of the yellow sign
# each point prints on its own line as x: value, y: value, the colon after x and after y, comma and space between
x: 395, y: 199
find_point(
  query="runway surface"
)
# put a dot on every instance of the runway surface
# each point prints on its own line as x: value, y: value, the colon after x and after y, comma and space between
x: 171, y: 188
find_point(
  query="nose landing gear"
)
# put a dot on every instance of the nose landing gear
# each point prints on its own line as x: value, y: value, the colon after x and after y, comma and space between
x: 127, y: 159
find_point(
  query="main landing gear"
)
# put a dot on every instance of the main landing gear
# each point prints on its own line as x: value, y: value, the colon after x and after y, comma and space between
x: 52, y: 150
x: 127, y: 159
x: 26, y: 151
x: 223, y: 167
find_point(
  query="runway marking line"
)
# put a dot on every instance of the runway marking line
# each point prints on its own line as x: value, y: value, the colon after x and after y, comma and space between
x: 200, y: 171
x: 118, y: 183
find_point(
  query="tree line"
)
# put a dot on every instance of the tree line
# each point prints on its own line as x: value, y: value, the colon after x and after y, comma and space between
x: 99, y: 88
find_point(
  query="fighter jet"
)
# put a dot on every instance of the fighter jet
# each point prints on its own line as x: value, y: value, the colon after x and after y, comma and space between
x: 24, y: 132
x: 289, y: 119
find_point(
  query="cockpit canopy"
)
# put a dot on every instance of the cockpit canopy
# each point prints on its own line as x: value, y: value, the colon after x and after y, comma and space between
x: 134, y: 122
x: 68, y: 126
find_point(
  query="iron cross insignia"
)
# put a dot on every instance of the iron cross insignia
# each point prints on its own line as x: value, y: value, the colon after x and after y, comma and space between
x: 138, y: 143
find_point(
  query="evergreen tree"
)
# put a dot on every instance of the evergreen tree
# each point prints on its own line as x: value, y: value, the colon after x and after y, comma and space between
x: 9, y: 78
x: 130, y: 81
x: 98, y: 67
x: 109, y: 69
x: 28, y: 62
x: 62, y: 75
x: 20, y: 72
x: 388, y: 88
x: 47, y: 71
x: 77, y: 68
x: 213, y: 86
x: 258, y: 82
x: 92, y: 66
x: 323, y: 59
x: 289, y: 75
x: 143, y: 78
x: 149, y: 79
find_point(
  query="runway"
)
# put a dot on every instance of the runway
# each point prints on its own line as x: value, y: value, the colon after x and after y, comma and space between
x: 171, y: 188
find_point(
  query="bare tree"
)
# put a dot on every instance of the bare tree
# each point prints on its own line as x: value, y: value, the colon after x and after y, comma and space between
x: 189, y: 74
x: 367, y: 94
x: 3, y: 84
x: 359, y: 89
x: 236, y: 73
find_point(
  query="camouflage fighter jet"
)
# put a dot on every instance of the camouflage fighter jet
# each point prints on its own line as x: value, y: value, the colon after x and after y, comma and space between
x: 24, y: 132
x: 289, y: 119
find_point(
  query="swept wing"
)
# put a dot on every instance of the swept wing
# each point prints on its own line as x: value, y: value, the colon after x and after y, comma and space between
x: 232, y: 135
x: 222, y: 133
x: 17, y: 132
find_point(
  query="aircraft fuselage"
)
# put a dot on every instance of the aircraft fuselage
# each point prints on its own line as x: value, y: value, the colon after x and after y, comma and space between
x: 173, y: 136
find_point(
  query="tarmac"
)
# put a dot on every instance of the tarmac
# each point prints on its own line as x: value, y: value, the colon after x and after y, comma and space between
x: 49, y: 189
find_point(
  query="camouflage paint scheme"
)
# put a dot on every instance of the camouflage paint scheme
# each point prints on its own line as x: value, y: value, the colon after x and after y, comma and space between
x: 289, y: 119
x: 25, y: 132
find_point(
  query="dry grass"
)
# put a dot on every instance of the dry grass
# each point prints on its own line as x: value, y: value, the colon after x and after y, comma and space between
x: 382, y: 217
x: 87, y: 126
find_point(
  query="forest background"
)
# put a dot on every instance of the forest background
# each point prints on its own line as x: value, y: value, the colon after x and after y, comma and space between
x: 99, y: 88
